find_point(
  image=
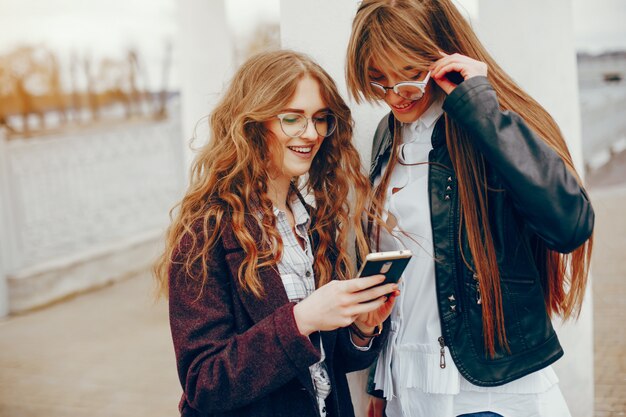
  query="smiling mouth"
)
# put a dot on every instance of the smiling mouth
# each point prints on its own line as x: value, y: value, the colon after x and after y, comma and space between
x: 301, y: 149
x: 404, y: 106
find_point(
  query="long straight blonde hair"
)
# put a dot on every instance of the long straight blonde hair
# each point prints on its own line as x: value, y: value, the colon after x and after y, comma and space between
x: 417, y: 30
x: 229, y: 178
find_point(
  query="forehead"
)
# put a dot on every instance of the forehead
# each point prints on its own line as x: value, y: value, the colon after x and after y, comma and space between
x: 307, y: 96
x: 393, y: 65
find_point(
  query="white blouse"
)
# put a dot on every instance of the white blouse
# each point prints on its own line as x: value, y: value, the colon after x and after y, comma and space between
x: 408, y: 368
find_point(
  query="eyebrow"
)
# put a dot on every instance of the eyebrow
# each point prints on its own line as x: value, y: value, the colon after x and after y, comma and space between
x: 290, y: 110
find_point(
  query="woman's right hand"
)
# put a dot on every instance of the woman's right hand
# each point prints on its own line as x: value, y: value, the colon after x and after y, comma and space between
x: 338, y: 303
x: 376, y: 407
x: 456, y: 63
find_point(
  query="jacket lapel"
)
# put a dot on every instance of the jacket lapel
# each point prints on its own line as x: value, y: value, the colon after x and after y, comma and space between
x: 383, y: 138
x: 274, y: 290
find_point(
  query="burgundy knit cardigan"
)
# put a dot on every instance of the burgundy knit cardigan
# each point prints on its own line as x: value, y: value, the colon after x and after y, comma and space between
x: 238, y: 355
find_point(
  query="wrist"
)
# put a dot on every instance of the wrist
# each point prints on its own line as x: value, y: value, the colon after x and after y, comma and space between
x: 304, y: 327
x: 363, y: 328
x: 366, y: 333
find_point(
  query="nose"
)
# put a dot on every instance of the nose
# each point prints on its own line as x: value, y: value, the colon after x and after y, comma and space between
x: 392, y: 98
x: 309, y: 133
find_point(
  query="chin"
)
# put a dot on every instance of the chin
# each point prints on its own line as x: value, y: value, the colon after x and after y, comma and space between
x: 296, y: 172
x: 406, y: 118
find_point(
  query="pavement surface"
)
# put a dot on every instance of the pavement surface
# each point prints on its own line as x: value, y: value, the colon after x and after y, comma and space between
x: 108, y: 353
x: 612, y: 174
x: 609, y: 300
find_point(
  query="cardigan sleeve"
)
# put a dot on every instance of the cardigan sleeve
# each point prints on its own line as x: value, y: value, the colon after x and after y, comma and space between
x: 219, y: 368
x: 354, y: 359
x: 543, y: 190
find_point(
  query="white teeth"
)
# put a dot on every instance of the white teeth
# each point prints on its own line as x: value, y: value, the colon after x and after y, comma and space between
x: 301, y: 149
x: 404, y: 106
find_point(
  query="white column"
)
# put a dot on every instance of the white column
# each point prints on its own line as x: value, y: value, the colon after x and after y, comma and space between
x: 6, y: 236
x: 533, y: 41
x: 205, y: 60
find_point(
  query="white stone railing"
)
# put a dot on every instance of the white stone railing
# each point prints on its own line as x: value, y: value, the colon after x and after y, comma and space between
x: 5, y: 232
x: 603, y: 123
x: 86, y: 207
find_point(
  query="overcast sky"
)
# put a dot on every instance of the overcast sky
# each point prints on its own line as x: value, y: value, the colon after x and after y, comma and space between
x: 598, y: 24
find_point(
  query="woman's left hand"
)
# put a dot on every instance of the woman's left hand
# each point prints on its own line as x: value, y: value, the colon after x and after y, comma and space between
x: 456, y: 63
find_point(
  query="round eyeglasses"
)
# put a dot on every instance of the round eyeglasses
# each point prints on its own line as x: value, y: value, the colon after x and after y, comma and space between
x: 410, y: 90
x: 295, y: 124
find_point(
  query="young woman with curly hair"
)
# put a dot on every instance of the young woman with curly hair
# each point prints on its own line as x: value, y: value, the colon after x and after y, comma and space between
x: 264, y: 316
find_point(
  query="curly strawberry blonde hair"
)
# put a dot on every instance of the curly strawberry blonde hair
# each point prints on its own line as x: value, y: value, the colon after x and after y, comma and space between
x: 229, y: 178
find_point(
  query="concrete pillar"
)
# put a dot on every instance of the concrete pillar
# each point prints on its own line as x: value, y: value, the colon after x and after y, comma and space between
x: 533, y: 41
x: 205, y: 60
x: 6, y: 236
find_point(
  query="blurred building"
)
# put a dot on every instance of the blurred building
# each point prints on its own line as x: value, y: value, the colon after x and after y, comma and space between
x: 602, y: 84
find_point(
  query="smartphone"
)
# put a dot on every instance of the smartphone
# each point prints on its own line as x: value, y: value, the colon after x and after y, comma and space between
x: 390, y: 264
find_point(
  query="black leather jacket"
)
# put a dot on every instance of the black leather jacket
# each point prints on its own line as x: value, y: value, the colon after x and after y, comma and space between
x: 537, y: 198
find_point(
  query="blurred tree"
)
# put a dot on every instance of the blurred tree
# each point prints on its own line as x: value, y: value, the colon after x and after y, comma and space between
x: 31, y: 88
x: 167, y: 64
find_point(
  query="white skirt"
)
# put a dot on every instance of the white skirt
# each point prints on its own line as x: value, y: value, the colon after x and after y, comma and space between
x: 419, y: 404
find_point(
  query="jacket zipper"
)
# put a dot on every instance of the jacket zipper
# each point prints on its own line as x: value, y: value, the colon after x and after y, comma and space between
x: 442, y: 352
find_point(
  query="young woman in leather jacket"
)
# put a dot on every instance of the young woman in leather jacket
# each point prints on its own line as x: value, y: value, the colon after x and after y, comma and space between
x: 265, y: 320
x: 475, y: 177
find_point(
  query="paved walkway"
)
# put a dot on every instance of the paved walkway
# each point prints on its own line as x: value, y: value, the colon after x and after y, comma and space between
x: 108, y: 353
x: 609, y: 300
